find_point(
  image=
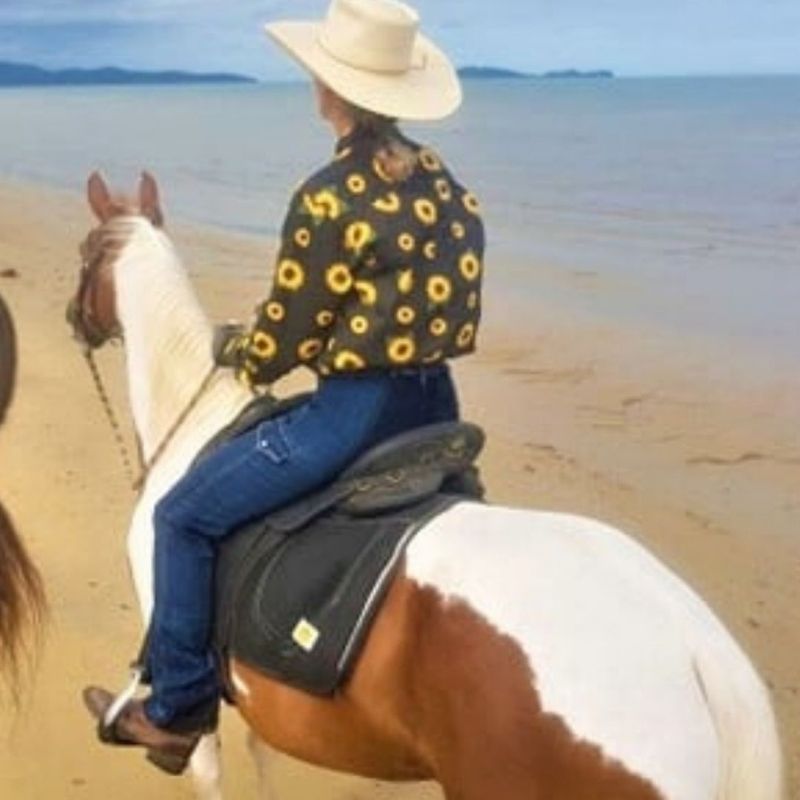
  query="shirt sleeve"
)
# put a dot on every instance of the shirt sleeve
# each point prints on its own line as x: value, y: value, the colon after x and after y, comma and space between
x: 312, y: 276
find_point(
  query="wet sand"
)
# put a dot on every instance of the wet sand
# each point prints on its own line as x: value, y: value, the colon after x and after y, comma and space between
x: 678, y: 441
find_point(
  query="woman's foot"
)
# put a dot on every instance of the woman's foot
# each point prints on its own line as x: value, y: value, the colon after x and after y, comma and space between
x: 168, y: 750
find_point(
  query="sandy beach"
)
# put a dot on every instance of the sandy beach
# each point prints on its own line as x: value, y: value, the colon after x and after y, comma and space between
x: 689, y: 447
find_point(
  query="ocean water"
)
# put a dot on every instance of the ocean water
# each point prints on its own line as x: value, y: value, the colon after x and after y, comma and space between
x: 671, y: 202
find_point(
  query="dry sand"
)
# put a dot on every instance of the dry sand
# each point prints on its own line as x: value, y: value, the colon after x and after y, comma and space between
x: 672, y: 439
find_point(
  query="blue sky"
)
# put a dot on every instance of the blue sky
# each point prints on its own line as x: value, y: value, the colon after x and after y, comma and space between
x: 632, y: 37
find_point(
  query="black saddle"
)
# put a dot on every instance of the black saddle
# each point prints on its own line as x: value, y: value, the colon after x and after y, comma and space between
x: 297, y: 590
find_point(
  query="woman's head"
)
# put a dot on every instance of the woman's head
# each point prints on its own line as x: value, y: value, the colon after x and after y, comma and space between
x: 395, y: 157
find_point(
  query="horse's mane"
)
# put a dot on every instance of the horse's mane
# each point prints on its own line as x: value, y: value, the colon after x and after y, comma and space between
x: 22, y: 600
x: 167, y: 333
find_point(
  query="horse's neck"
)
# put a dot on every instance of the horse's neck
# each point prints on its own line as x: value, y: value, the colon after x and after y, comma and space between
x: 167, y: 340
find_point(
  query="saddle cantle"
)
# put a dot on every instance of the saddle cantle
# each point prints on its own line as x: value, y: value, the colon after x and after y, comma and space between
x: 297, y: 590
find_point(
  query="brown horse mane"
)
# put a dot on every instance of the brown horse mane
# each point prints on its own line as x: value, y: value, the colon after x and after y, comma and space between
x: 22, y: 598
x: 22, y: 603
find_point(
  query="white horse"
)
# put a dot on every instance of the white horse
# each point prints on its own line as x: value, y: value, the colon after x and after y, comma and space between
x: 520, y: 654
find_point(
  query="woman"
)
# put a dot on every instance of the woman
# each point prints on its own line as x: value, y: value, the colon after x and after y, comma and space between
x: 377, y: 285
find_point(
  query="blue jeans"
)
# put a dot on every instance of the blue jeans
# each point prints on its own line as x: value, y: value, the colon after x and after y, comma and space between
x: 260, y: 470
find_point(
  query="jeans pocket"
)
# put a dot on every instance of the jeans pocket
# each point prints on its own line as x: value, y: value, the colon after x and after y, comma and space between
x: 272, y: 441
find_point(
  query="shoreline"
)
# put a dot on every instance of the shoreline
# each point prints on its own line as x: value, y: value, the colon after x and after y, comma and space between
x: 583, y: 414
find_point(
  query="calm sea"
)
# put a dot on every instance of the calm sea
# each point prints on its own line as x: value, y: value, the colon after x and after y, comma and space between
x: 682, y: 193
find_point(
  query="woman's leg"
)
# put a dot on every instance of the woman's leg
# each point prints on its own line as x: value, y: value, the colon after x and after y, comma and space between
x: 251, y: 475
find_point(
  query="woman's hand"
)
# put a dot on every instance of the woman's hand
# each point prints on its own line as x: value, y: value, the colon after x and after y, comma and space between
x: 226, y: 344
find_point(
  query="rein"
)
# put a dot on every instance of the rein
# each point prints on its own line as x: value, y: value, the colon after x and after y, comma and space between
x: 145, y: 467
x: 116, y: 428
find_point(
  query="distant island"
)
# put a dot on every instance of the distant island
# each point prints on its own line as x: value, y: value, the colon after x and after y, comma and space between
x: 12, y: 74
x: 494, y: 73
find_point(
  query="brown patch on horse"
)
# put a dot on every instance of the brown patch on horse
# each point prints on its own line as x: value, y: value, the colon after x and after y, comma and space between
x: 363, y: 729
x: 489, y: 736
x: 439, y: 693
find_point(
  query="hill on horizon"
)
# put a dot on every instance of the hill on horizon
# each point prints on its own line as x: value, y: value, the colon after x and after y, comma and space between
x: 18, y: 74
x: 489, y: 73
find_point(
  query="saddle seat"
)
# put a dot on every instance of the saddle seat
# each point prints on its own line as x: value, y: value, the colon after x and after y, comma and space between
x: 298, y: 589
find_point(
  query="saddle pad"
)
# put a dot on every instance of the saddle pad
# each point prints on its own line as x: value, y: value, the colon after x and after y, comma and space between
x: 297, y: 606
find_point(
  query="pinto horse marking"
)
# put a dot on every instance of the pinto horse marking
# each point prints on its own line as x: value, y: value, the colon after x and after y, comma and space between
x: 521, y: 654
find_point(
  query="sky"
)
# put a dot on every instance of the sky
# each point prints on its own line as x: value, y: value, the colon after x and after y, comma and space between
x: 631, y: 37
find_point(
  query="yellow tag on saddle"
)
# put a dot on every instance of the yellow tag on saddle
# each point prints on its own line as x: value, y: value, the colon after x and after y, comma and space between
x: 305, y: 635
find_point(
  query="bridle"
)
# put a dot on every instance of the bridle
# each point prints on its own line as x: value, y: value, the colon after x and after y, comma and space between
x: 82, y: 311
x: 91, y: 333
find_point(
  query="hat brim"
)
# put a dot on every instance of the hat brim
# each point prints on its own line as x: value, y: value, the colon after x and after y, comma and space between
x: 426, y: 92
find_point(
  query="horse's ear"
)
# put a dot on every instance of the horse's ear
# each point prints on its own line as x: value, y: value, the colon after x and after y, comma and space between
x: 99, y: 197
x: 149, y: 204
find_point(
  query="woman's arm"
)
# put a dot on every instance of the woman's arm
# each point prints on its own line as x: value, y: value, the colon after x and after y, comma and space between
x: 311, y: 278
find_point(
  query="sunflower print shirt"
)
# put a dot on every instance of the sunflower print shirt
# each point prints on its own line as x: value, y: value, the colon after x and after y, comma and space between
x: 372, y: 273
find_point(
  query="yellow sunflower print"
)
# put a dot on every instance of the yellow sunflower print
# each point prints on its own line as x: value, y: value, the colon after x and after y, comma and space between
x: 275, y: 311
x: 470, y: 265
x: 345, y: 153
x: 443, y: 189
x: 405, y: 315
x: 302, y: 237
x: 290, y: 275
x: 325, y: 204
x: 338, y: 278
x: 359, y: 325
x: 465, y: 335
x: 263, y: 346
x: 358, y: 235
x: 438, y: 326
x: 378, y: 169
x: 324, y: 318
x: 430, y: 160
x: 405, y: 281
x: 406, y: 242
x: 401, y: 349
x: 430, y: 250
x: 356, y: 183
x: 425, y: 211
x: 439, y: 288
x: 367, y: 292
x: 458, y: 230
x: 472, y: 300
x: 435, y: 356
x: 309, y: 348
x: 388, y: 204
x: 348, y: 360
x: 471, y: 203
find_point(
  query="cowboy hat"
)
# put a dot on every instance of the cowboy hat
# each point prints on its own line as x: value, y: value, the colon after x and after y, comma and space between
x: 370, y: 52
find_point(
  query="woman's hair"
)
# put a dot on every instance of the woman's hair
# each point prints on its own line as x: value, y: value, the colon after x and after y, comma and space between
x: 394, y: 156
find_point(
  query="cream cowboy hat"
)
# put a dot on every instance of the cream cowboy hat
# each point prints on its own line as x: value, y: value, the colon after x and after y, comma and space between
x: 371, y: 53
